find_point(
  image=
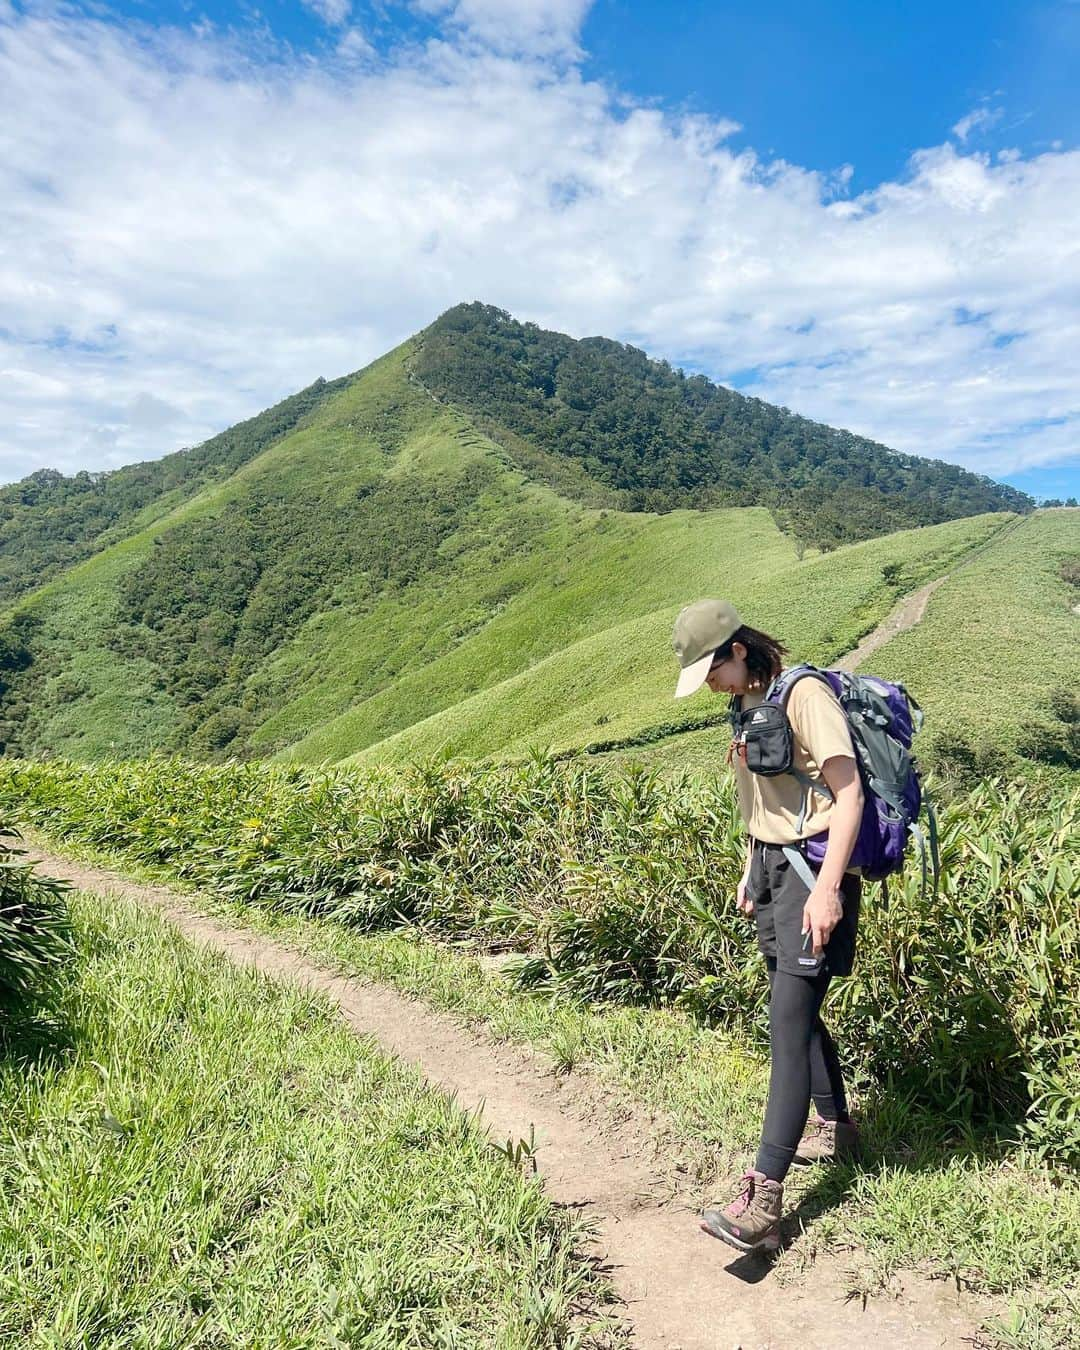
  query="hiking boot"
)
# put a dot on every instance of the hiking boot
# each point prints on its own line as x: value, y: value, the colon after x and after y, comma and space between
x: 827, y: 1141
x: 752, y: 1221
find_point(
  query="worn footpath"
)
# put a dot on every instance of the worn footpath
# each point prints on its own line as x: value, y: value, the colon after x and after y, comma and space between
x: 682, y: 1289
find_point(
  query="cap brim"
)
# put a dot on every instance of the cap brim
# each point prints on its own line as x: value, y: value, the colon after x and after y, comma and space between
x: 693, y: 677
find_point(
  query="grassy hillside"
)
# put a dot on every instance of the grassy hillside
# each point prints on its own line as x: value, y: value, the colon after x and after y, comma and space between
x: 584, y: 573
x: 617, y: 681
x: 368, y: 573
x: 997, y: 656
x: 995, y: 661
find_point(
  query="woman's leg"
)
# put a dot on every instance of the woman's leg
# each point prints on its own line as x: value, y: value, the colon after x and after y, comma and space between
x: 794, y: 1006
x: 826, y: 1076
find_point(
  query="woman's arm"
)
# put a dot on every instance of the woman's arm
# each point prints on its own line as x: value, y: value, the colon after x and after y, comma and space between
x: 742, y: 900
x: 823, y: 908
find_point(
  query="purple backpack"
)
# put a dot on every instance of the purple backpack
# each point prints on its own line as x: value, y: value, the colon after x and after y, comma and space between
x: 882, y: 718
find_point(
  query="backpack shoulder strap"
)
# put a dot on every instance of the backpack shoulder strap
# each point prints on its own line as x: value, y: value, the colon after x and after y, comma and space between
x: 928, y: 846
x: 779, y: 691
x: 917, y: 714
x: 734, y: 712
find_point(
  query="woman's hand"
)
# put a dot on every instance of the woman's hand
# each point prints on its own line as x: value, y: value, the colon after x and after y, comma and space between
x: 821, y: 913
x: 742, y: 900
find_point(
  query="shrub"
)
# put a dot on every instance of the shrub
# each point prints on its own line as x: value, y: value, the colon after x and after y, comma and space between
x: 35, y: 939
x: 618, y: 885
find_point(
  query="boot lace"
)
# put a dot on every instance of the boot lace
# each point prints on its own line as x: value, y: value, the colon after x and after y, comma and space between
x: 743, y: 1199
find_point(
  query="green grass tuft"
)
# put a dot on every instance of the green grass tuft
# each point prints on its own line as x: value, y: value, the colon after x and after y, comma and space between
x: 206, y: 1158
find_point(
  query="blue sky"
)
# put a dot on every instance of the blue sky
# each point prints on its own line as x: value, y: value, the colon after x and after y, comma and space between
x: 866, y: 84
x: 861, y: 211
x: 820, y: 84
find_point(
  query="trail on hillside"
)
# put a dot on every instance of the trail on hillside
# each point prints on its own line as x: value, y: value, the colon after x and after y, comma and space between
x: 683, y: 1290
x: 911, y: 608
x: 906, y: 615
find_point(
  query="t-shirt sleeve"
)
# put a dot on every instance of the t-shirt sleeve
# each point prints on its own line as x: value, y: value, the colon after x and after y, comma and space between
x: 818, y: 721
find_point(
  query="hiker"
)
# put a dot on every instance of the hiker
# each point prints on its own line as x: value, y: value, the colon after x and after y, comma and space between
x: 806, y: 932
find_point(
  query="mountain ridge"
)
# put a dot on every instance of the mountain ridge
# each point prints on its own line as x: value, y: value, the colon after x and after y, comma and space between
x: 67, y: 518
x: 384, y: 560
x: 654, y: 438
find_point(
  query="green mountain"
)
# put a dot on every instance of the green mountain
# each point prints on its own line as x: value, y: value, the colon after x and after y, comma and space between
x: 49, y: 521
x: 478, y: 543
x: 644, y: 437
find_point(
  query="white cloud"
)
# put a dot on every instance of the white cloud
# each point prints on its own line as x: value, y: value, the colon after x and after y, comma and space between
x: 979, y: 119
x: 188, y: 237
x: 354, y: 46
x: 540, y: 27
x: 332, y: 12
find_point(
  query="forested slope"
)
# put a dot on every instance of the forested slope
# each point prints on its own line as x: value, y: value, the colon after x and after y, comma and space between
x: 599, y: 419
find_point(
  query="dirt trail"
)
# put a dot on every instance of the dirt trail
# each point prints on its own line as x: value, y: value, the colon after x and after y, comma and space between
x: 683, y: 1289
x: 905, y: 615
x: 910, y: 610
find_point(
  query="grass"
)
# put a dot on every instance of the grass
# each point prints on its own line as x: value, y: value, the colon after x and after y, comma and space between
x: 35, y: 941
x: 509, y: 616
x: 617, y: 677
x: 197, y: 1157
x: 616, y: 889
x: 993, y: 700
x: 997, y: 656
x: 950, y: 1201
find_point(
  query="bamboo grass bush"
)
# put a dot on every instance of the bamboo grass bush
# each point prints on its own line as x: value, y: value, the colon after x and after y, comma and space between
x: 35, y: 936
x: 618, y: 886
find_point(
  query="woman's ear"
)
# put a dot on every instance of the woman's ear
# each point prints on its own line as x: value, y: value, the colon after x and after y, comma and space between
x: 737, y: 649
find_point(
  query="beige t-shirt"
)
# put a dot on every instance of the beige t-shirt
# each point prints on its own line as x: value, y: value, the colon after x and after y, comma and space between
x: 771, y: 806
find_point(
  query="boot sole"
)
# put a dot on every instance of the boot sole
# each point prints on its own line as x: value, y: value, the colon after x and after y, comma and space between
x: 768, y: 1244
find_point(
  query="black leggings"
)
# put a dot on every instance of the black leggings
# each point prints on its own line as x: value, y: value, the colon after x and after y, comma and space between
x: 804, y: 1064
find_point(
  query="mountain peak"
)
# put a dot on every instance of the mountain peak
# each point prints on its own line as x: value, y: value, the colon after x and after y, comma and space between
x: 660, y: 439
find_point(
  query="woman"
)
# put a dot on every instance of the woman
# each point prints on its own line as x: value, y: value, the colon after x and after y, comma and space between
x: 806, y: 932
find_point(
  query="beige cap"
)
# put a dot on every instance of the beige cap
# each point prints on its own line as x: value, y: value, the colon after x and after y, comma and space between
x: 699, y: 630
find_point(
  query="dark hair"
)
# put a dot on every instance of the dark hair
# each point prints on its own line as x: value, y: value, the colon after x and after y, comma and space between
x: 764, y: 654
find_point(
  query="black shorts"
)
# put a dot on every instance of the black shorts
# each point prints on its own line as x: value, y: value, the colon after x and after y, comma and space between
x: 779, y: 894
